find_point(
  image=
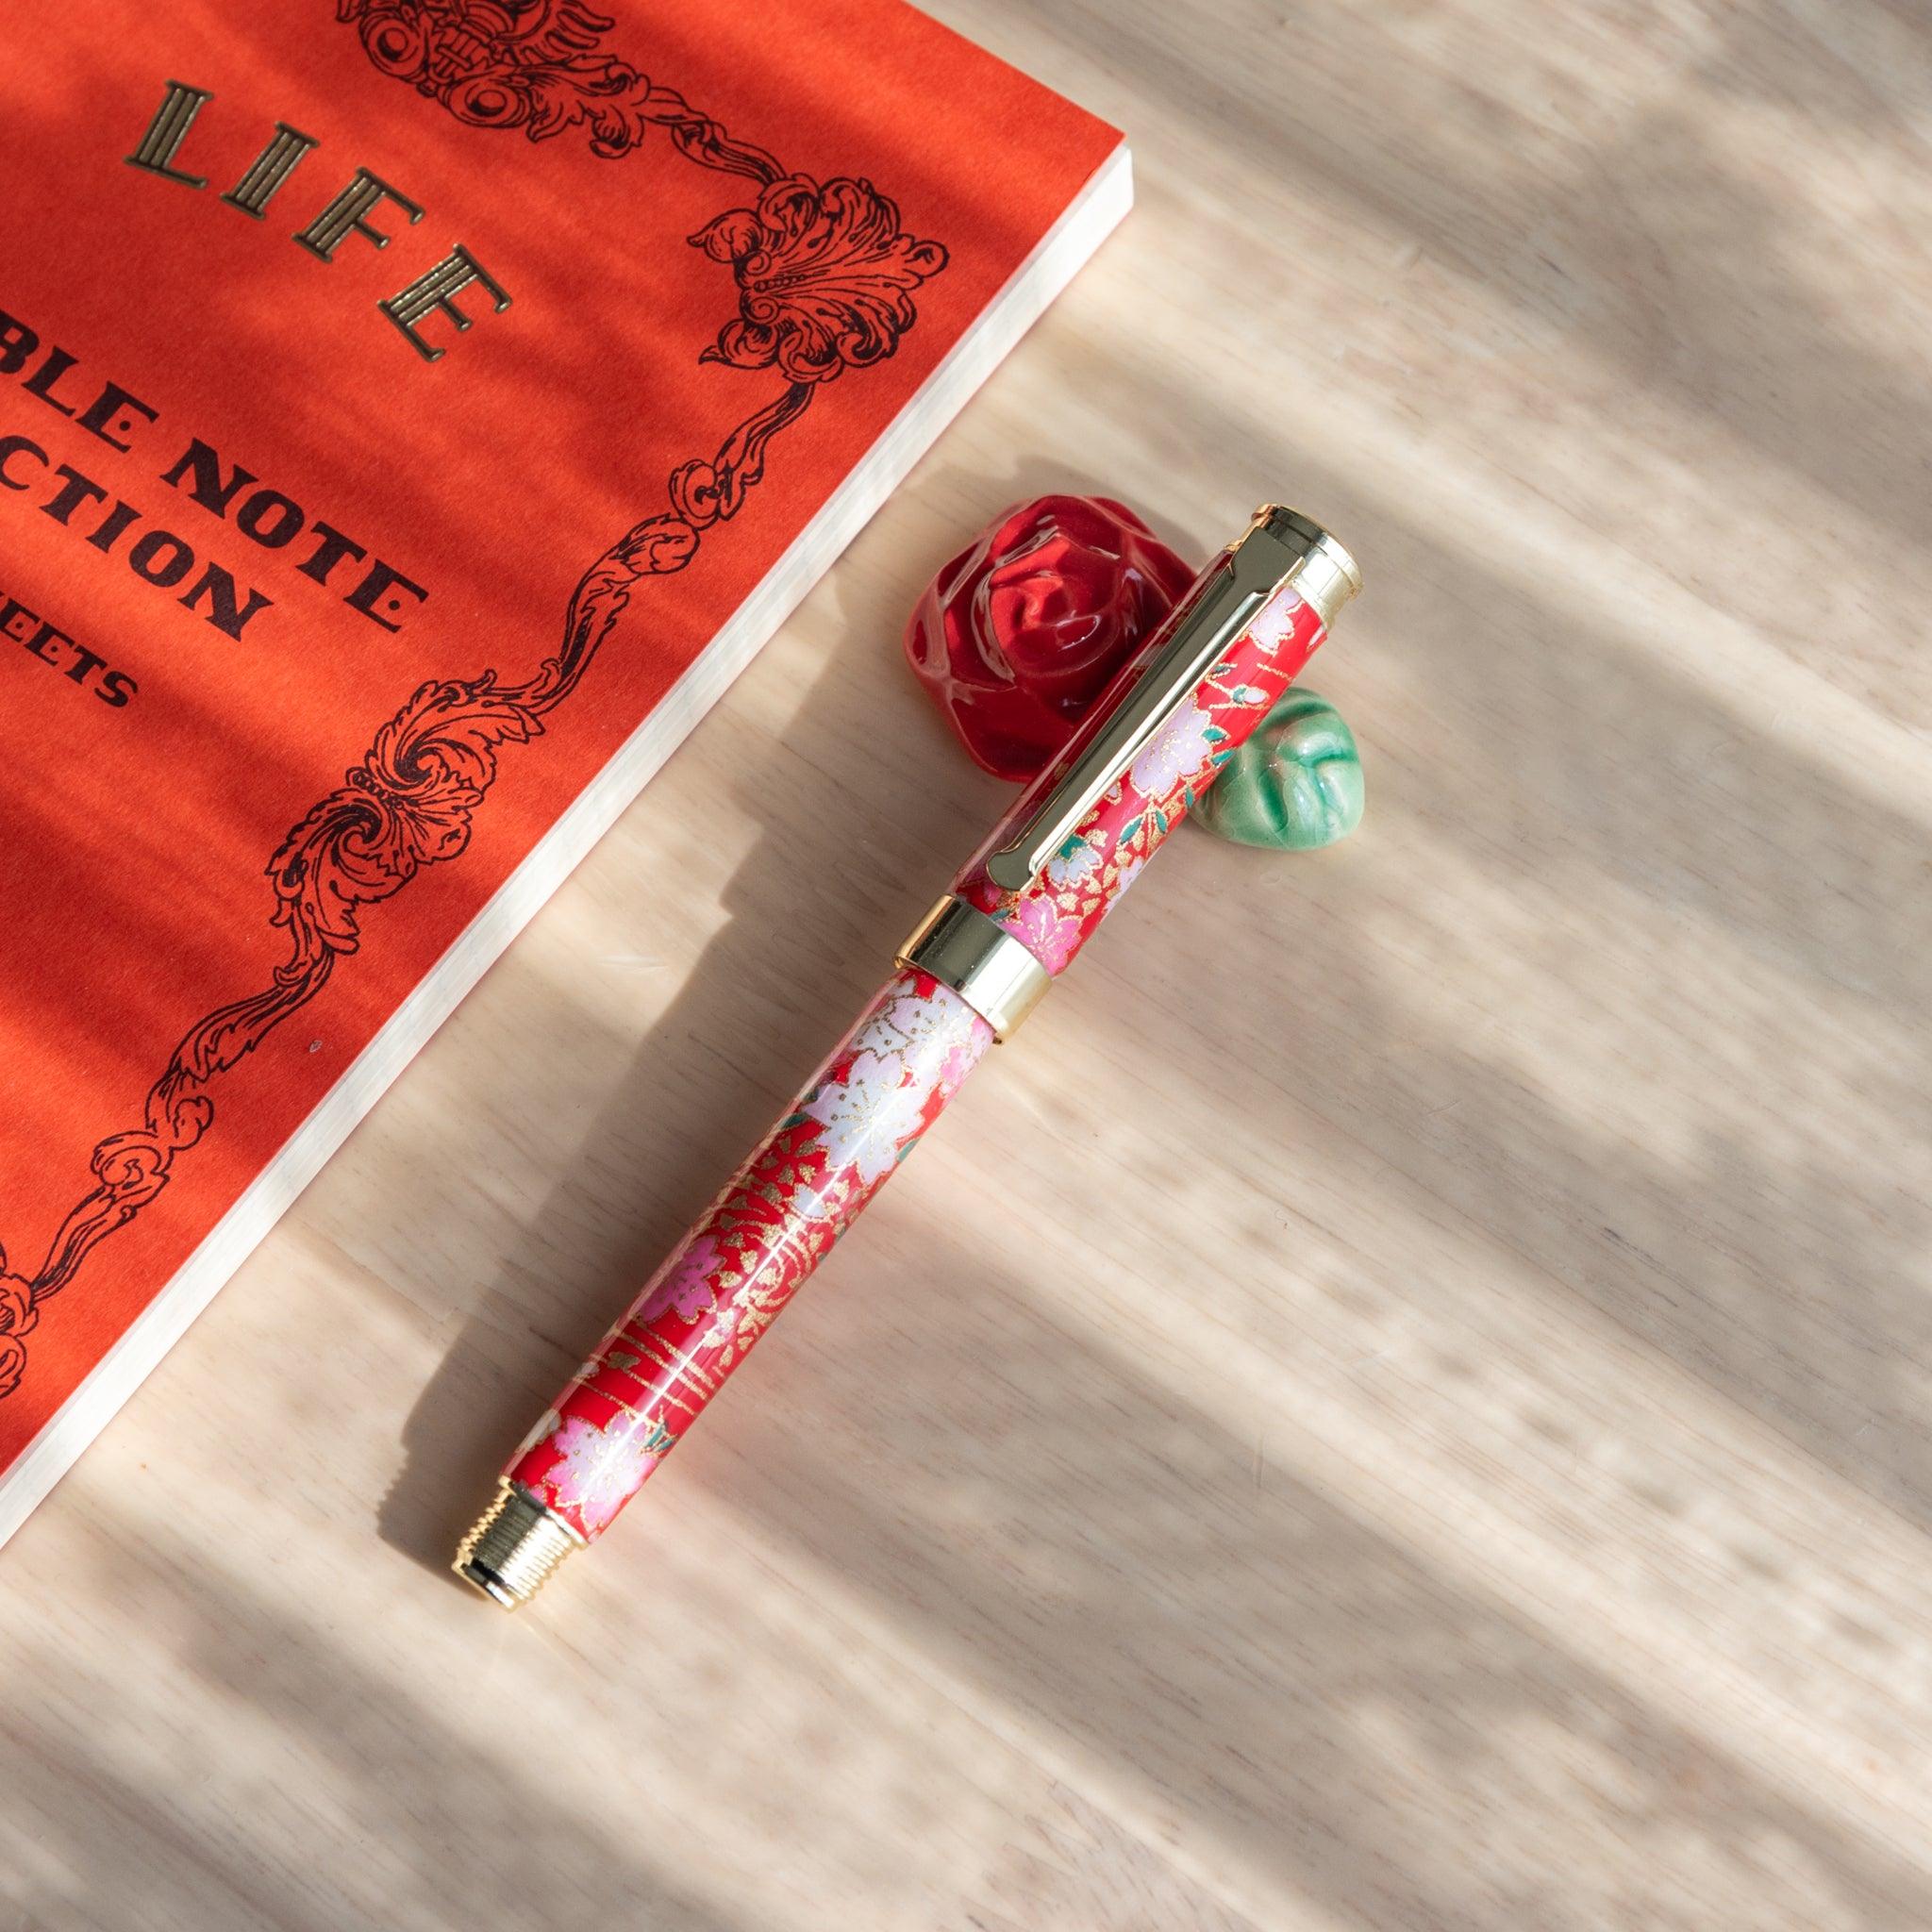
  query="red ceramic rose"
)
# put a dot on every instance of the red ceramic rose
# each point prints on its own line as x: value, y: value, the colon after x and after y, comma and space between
x: 1021, y: 631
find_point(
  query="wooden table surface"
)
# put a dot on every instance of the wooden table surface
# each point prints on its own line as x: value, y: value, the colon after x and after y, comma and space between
x: 1401, y: 1401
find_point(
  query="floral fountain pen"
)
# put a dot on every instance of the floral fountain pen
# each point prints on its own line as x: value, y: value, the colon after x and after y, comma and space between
x: 1016, y: 915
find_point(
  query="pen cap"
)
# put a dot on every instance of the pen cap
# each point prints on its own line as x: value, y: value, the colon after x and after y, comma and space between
x: 1160, y: 736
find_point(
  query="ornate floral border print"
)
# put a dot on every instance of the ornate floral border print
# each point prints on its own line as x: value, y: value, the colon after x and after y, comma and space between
x: 825, y: 280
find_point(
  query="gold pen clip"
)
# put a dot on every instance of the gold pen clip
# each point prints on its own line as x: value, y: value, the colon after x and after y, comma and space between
x: 1280, y: 546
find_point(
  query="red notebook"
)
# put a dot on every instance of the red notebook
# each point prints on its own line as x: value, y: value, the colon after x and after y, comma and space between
x: 412, y: 414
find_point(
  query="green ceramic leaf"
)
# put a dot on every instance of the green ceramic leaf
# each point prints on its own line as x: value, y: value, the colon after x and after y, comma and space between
x: 1294, y: 786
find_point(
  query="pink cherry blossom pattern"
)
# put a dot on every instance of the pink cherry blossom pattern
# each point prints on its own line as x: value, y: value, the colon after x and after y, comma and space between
x: 685, y: 1283
x: 1048, y: 935
x: 1178, y: 749
x: 1276, y: 624
x: 599, y: 1469
x: 865, y: 1118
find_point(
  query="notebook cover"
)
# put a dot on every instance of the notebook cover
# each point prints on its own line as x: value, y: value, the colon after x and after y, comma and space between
x: 317, y: 607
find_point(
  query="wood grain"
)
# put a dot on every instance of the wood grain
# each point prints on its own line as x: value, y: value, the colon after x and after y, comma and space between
x: 1400, y: 1402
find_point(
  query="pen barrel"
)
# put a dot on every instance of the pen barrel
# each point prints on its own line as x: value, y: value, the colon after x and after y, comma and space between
x: 1054, y: 914
x: 723, y: 1286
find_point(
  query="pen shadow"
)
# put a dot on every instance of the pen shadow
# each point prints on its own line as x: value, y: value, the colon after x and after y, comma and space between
x: 809, y: 932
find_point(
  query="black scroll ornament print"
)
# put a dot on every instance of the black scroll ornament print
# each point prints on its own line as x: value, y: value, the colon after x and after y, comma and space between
x: 825, y: 278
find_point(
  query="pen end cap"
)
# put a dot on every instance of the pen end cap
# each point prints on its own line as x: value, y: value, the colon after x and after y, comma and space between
x: 513, y: 1547
x: 1324, y: 573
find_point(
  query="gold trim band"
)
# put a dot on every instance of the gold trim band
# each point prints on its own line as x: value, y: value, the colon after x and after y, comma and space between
x: 982, y: 962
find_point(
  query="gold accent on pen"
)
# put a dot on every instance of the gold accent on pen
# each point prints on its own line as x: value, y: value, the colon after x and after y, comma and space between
x: 514, y: 1546
x: 1279, y: 547
x: 681, y: 1366
x: 980, y: 960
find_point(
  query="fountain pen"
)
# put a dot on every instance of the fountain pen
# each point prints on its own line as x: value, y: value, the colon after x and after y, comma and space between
x: 1014, y: 918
